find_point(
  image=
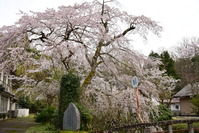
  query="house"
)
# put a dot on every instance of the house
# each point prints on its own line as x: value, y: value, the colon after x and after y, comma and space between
x: 185, y: 95
x: 8, y: 101
x: 174, y: 105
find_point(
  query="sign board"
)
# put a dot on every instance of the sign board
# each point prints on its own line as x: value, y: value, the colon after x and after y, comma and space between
x: 134, y: 82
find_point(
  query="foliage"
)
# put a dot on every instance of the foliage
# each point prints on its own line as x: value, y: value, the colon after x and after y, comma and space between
x: 195, y: 102
x: 154, y: 55
x: 31, y: 115
x: 4, y: 115
x: 183, y: 126
x: 86, y: 117
x: 69, y: 92
x: 187, y: 71
x: 40, y: 128
x: 46, y: 115
x: 180, y: 126
x: 50, y: 127
x: 167, y: 66
x: 164, y: 113
x: 24, y: 101
x: 188, y: 48
x: 73, y: 132
x: 167, y: 63
x: 87, y: 39
x: 37, y: 106
x: 187, y: 61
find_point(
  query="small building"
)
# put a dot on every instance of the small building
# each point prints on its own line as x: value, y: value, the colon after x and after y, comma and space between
x: 174, y: 105
x: 8, y: 101
x: 185, y: 95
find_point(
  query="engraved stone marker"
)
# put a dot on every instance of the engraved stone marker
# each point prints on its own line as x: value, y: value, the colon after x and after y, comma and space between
x: 71, y: 119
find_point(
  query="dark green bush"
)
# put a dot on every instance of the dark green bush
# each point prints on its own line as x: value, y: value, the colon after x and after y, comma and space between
x: 195, y: 103
x: 69, y: 92
x: 24, y: 101
x: 37, y: 106
x: 164, y: 113
x: 4, y: 116
x: 46, y: 115
x: 85, y: 116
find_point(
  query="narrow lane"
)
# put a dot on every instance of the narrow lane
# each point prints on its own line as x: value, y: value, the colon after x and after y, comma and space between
x: 17, y: 125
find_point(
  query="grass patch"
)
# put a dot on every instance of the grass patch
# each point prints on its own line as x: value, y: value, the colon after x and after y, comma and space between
x: 40, y: 128
x: 184, y: 118
x: 180, y: 126
x: 184, y: 126
x: 31, y: 116
x: 73, y: 132
x: 196, y: 125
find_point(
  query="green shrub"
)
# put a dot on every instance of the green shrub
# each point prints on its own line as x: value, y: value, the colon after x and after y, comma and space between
x: 50, y: 127
x: 46, y: 115
x: 73, y: 132
x: 164, y: 113
x: 195, y: 103
x: 4, y: 116
x: 37, y: 106
x: 85, y: 116
x: 69, y: 92
x: 179, y: 126
x: 40, y: 128
x: 24, y: 101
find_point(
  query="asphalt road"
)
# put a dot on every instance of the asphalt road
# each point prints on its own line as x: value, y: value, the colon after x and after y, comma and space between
x: 17, y: 125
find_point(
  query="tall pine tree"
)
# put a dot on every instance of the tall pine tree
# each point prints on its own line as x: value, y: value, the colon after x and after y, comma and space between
x: 168, y: 64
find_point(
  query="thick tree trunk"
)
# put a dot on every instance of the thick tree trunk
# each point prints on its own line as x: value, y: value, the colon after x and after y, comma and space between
x: 94, y: 63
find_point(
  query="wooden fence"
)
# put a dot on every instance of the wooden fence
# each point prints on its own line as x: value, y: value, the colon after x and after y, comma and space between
x: 146, y: 126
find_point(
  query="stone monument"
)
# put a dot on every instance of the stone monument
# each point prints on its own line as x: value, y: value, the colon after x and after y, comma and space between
x: 71, y: 119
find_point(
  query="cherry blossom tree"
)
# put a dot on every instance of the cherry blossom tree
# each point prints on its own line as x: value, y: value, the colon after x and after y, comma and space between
x: 187, y: 61
x: 188, y: 48
x: 92, y: 40
x: 94, y: 28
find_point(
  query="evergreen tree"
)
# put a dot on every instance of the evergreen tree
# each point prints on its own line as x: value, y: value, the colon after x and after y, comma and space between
x: 154, y: 55
x: 168, y: 64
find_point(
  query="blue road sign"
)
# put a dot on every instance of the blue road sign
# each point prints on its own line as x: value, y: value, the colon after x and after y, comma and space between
x: 134, y: 82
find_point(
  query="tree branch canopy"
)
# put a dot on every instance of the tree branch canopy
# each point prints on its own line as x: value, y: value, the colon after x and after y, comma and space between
x: 80, y: 32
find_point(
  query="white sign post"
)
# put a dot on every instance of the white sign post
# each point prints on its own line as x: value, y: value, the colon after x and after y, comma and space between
x: 135, y: 85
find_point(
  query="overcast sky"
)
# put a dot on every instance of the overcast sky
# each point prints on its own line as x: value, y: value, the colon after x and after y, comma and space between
x: 179, y: 18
